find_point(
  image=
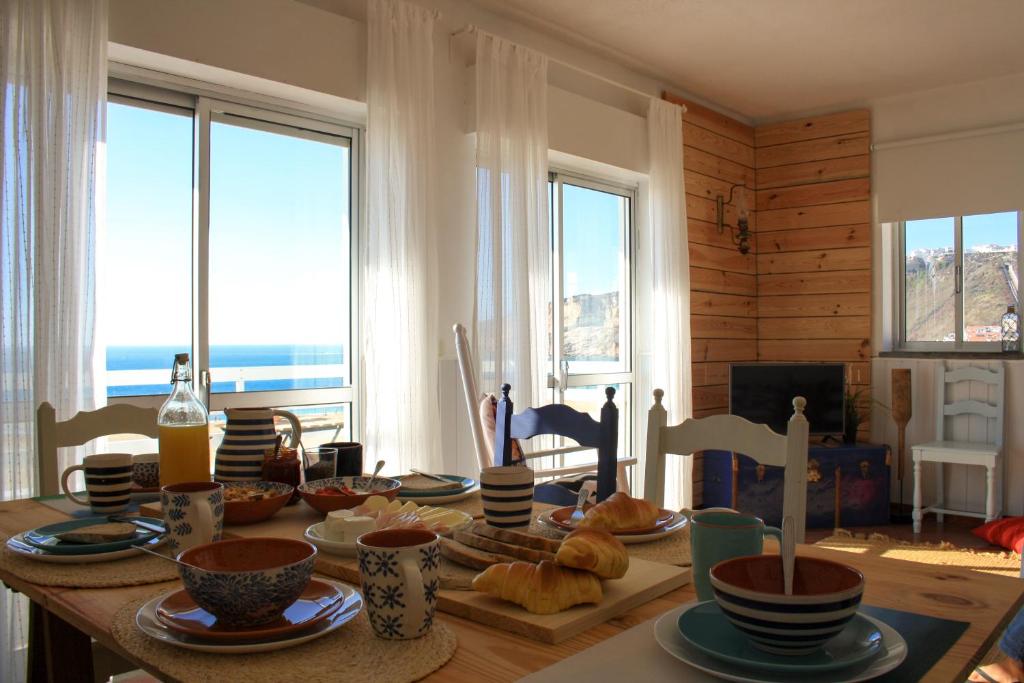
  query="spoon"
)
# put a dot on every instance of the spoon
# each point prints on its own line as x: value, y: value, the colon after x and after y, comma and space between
x: 376, y: 471
x: 165, y: 557
x: 788, y: 551
x: 577, y: 514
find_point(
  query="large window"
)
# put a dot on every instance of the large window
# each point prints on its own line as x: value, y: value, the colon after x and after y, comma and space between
x: 591, y: 237
x: 229, y: 235
x: 958, y: 275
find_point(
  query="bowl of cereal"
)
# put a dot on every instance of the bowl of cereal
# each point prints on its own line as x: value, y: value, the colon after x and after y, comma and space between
x: 248, y: 502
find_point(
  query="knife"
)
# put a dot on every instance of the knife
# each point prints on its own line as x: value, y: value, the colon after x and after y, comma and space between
x: 156, y: 528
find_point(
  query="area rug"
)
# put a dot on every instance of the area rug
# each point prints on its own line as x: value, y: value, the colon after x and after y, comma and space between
x: 1004, y: 563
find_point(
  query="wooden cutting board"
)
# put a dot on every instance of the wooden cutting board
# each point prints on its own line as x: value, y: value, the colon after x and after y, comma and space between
x: 642, y: 583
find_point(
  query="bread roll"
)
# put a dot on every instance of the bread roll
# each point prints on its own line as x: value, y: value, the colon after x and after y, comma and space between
x: 543, y: 588
x: 594, y: 551
x: 620, y: 512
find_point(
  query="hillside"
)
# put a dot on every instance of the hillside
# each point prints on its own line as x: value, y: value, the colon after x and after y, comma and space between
x: 990, y: 281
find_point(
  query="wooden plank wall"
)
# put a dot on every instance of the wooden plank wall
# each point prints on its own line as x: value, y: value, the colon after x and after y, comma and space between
x: 813, y: 180
x: 718, y: 153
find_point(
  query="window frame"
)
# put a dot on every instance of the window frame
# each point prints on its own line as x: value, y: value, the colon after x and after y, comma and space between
x: 959, y: 345
x: 625, y: 377
x: 208, y: 102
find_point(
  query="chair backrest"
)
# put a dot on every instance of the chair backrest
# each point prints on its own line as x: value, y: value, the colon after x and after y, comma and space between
x: 561, y: 420
x: 82, y: 428
x: 989, y: 408
x: 471, y: 393
x: 737, y: 434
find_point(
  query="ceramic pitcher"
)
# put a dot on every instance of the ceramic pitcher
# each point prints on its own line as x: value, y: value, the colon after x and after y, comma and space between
x: 249, y: 433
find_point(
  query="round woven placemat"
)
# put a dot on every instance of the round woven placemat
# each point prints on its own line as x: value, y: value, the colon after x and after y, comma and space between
x: 130, y: 571
x: 352, y: 653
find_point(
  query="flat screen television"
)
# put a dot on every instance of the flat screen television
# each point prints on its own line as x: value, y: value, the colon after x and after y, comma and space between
x: 763, y: 393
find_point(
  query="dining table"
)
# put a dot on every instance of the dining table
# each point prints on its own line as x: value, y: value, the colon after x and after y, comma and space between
x: 66, y: 620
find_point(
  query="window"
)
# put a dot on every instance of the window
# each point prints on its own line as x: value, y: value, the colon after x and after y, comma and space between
x: 591, y: 231
x: 229, y: 235
x: 958, y: 275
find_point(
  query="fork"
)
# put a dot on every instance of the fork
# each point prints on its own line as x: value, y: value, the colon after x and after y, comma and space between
x: 577, y: 514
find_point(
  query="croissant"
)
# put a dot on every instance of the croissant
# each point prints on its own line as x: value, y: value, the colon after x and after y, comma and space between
x: 595, y: 551
x: 543, y: 588
x: 619, y: 512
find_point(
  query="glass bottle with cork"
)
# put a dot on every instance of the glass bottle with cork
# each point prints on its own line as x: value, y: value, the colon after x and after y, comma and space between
x: 184, y: 430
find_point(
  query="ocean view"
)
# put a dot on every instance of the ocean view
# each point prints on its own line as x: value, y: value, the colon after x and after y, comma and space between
x: 135, y: 370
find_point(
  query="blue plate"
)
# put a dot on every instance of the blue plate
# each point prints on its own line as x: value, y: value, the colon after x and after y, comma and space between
x: 44, y: 537
x: 465, y: 483
x: 708, y: 630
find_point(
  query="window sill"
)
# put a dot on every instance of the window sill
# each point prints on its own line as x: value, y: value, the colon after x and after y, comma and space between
x: 953, y: 355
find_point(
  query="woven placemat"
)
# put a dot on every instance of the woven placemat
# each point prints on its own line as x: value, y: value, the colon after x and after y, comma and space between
x: 352, y: 653
x: 1003, y: 563
x: 130, y: 571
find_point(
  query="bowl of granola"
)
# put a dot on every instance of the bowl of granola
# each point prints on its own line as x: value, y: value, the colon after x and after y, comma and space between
x: 248, y: 502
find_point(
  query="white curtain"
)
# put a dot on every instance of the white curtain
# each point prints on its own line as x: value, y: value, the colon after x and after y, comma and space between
x: 53, y: 66
x: 399, y: 321
x: 667, y: 257
x: 513, y: 289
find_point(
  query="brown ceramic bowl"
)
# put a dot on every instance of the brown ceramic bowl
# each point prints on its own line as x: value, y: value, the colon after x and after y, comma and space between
x: 751, y: 593
x: 247, y: 582
x: 238, y: 512
x: 322, y: 502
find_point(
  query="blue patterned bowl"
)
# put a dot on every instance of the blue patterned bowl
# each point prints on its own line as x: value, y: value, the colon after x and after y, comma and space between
x: 312, y: 492
x: 247, y: 581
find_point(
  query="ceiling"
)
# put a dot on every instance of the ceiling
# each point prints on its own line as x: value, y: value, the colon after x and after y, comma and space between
x: 767, y: 59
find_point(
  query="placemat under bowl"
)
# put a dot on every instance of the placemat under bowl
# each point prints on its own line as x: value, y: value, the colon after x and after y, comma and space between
x: 352, y: 653
x: 130, y: 571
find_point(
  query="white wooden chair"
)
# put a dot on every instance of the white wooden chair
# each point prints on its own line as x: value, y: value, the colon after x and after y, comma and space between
x: 737, y: 434
x: 978, y: 440
x: 80, y: 429
x: 473, y: 397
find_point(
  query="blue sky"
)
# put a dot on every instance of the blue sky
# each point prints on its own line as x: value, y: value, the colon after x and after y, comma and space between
x: 592, y: 240
x: 992, y: 228
x: 279, y: 255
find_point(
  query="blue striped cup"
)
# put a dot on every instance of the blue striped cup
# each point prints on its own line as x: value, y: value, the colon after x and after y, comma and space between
x: 108, y: 482
x: 507, y: 496
x: 751, y: 593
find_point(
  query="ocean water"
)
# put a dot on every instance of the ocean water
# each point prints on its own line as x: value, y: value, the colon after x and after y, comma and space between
x: 227, y: 356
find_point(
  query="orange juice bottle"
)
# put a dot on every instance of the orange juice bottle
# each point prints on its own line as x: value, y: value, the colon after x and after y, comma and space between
x: 184, y: 431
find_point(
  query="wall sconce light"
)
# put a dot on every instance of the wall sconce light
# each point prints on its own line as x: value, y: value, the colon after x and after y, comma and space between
x: 741, y: 235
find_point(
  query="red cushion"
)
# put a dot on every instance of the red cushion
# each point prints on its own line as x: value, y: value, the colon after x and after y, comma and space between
x: 1007, y: 533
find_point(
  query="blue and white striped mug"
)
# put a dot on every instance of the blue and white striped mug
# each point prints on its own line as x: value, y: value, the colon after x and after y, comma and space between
x: 108, y: 482
x: 507, y: 496
x: 249, y: 434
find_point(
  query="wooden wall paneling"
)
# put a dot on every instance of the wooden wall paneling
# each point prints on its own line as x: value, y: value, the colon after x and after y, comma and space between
x: 709, y: 374
x: 709, y: 280
x: 844, y: 213
x: 735, y: 350
x: 812, y: 305
x: 833, y: 192
x: 723, y: 326
x: 819, y: 171
x: 798, y: 350
x: 716, y: 167
x: 854, y: 258
x: 837, y: 327
x: 840, y: 146
x: 827, y: 125
x: 705, y: 232
x: 715, y: 303
x: 719, y: 145
x: 705, y: 210
x: 714, y: 121
x: 805, y: 239
x: 722, y: 258
x: 834, y: 282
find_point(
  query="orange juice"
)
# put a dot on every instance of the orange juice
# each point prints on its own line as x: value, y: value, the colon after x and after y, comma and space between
x: 184, y: 453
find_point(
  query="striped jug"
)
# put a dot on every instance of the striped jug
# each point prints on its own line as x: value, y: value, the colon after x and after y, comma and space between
x: 249, y: 433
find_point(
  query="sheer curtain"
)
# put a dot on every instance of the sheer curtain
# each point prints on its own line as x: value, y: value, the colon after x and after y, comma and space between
x: 513, y: 254
x: 399, y: 319
x: 53, y: 65
x: 667, y: 257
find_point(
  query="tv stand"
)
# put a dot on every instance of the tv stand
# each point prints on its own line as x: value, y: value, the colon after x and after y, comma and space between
x: 846, y: 485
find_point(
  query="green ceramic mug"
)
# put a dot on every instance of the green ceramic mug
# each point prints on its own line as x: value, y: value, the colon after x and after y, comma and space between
x: 717, y: 535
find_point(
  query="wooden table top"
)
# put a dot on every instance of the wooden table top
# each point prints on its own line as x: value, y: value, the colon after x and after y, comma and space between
x: 986, y: 601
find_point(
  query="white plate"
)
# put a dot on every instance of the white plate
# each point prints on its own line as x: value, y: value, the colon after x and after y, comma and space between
x: 146, y: 620
x: 343, y: 548
x: 437, y: 500
x: 679, y: 521
x: 17, y: 545
x: 892, y: 654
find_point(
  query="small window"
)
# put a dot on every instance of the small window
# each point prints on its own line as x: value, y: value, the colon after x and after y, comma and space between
x: 959, y: 274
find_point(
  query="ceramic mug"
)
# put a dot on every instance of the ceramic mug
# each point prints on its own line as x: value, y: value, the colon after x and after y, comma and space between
x: 507, y: 496
x: 146, y: 470
x: 350, y: 458
x: 717, y: 535
x: 108, y: 482
x: 193, y: 513
x: 398, y: 569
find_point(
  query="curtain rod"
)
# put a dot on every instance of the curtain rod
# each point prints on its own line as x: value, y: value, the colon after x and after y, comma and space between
x: 470, y: 28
